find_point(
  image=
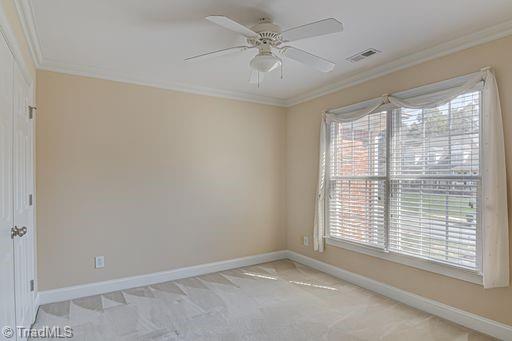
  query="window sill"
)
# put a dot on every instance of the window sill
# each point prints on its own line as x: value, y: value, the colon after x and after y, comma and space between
x: 423, y: 264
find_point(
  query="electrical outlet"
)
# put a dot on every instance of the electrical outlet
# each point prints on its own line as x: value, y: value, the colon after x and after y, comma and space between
x: 99, y: 262
x: 306, y: 241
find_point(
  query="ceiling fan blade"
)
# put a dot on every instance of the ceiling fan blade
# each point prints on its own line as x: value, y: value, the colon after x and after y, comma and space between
x: 232, y: 25
x: 308, y: 59
x: 218, y: 53
x: 256, y: 77
x: 319, y: 28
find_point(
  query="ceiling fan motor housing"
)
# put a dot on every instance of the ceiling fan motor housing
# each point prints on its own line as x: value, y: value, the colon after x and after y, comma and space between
x: 269, y: 33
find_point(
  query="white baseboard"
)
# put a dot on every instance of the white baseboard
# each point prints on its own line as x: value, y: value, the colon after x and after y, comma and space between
x: 69, y: 293
x: 464, y: 318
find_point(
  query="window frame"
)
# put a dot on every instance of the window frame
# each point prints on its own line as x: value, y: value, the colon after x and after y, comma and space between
x: 469, y: 275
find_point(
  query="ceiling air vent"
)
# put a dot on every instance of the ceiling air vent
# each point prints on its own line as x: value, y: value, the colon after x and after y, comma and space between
x: 362, y: 55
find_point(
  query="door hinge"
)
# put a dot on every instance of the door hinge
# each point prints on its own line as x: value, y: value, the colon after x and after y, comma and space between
x: 31, y: 111
x: 32, y: 285
x: 30, y: 199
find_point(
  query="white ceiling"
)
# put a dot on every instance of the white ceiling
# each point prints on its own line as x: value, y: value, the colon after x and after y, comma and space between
x: 146, y: 40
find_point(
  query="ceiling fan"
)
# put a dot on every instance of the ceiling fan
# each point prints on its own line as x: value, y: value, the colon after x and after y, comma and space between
x: 268, y: 38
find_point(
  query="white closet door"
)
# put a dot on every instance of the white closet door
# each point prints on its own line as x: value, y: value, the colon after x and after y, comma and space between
x: 23, y: 209
x: 7, y: 304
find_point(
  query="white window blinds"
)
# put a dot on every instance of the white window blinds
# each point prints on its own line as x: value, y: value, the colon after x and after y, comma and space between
x: 357, y: 180
x: 435, y: 182
x: 407, y: 181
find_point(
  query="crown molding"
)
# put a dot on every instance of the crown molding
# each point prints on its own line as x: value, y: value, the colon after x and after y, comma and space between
x: 350, y: 79
x: 476, y: 38
x: 26, y: 15
x: 95, y: 72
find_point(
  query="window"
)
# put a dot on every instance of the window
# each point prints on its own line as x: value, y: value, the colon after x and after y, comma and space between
x: 407, y: 182
x: 357, y: 180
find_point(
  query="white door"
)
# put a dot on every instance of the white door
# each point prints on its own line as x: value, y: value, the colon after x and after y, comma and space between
x: 23, y: 170
x: 7, y: 305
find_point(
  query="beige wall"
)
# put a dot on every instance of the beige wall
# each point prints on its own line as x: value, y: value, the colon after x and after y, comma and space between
x: 9, y: 8
x: 152, y: 179
x: 303, y: 123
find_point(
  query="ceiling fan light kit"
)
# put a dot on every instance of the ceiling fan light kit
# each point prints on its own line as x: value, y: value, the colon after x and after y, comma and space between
x: 265, y: 62
x: 267, y: 37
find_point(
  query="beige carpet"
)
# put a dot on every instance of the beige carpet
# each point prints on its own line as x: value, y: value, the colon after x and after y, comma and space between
x: 274, y: 301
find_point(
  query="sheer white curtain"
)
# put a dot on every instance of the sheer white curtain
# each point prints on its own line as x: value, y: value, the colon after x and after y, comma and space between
x: 319, y: 224
x: 494, y: 197
x: 495, y: 210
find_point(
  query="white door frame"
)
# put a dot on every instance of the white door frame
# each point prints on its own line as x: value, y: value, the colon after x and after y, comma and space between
x: 7, y: 290
x: 32, y: 96
x: 8, y: 34
x: 23, y: 177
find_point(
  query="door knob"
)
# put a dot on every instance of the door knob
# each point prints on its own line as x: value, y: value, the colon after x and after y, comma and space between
x: 20, y: 232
